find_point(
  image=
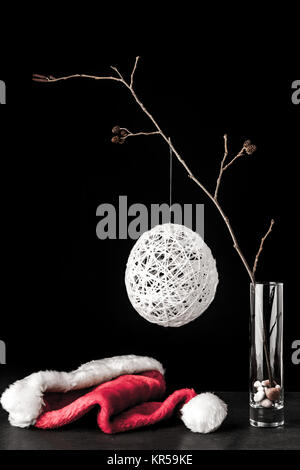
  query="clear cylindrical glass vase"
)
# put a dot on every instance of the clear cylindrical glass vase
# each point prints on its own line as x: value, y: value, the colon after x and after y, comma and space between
x: 266, y: 354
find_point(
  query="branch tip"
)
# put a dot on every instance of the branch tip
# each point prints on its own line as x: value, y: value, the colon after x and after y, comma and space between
x: 261, y: 247
x: 133, y: 71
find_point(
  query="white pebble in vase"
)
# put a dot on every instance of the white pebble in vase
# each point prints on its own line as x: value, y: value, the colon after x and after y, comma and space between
x: 259, y: 396
x: 257, y: 384
x: 266, y: 403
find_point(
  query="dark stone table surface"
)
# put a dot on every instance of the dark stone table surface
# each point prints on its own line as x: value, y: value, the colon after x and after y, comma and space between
x: 235, y: 433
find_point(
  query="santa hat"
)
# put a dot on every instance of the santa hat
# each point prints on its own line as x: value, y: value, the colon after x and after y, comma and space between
x: 126, y: 389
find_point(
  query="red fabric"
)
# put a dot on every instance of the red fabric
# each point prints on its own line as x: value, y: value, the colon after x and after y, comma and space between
x: 124, y: 403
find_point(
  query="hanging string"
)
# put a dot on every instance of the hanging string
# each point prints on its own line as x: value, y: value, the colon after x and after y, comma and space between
x: 171, y: 178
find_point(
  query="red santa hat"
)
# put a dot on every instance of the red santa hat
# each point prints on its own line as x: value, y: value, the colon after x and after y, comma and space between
x: 126, y: 389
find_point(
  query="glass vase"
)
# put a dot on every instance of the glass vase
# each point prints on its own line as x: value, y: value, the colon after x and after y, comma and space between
x: 266, y: 354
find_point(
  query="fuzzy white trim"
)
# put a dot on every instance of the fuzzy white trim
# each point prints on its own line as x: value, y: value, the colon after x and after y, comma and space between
x: 23, y: 400
x: 204, y: 413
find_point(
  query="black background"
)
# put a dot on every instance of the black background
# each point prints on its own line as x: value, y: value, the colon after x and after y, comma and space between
x: 64, y: 297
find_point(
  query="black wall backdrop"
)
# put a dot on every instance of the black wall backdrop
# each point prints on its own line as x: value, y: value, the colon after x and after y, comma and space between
x: 66, y: 301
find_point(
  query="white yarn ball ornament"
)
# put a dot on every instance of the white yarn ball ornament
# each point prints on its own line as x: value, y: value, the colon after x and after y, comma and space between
x: 171, y: 275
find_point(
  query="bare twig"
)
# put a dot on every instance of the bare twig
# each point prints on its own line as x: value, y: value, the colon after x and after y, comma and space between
x: 133, y: 71
x: 267, y: 354
x: 118, y: 73
x: 49, y: 79
x: 246, y: 148
x: 261, y: 247
x: 266, y: 349
x: 240, y: 154
x: 124, y: 129
x: 222, y: 165
x: 121, y: 134
x: 130, y: 134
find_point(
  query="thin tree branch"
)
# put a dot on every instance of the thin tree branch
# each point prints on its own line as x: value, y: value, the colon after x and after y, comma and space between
x: 267, y: 353
x: 133, y: 71
x: 50, y: 78
x: 271, y: 330
x: 126, y: 130
x: 121, y: 134
x: 247, y: 148
x: 240, y: 154
x: 118, y: 73
x: 222, y: 165
x: 170, y: 145
x: 130, y: 134
x: 261, y: 247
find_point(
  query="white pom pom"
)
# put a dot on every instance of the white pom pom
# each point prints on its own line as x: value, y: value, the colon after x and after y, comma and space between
x: 204, y: 413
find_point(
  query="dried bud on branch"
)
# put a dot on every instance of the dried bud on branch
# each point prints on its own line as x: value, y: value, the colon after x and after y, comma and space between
x: 249, y: 148
x: 116, y: 130
x: 118, y: 140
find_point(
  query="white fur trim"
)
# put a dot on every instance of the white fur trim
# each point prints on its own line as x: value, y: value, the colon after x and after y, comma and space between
x: 204, y: 413
x: 23, y: 400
